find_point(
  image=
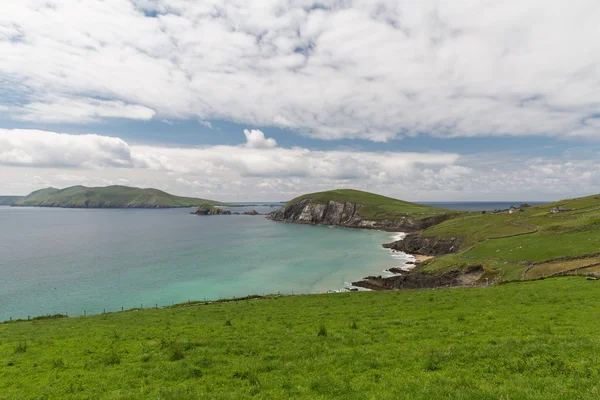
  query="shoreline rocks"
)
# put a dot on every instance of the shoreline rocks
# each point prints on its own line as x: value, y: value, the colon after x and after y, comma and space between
x: 425, y: 246
x: 415, y: 280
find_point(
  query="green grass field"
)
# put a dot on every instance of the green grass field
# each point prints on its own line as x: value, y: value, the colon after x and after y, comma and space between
x: 539, y: 247
x: 533, y: 340
x: 552, y: 267
x: 374, y: 206
x: 510, y: 243
x: 108, y: 197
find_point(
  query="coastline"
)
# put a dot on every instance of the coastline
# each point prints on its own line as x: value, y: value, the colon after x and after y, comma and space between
x: 407, y: 262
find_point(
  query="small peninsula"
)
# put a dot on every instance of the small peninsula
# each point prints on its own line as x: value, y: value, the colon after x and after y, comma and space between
x: 108, y: 197
x: 357, y: 209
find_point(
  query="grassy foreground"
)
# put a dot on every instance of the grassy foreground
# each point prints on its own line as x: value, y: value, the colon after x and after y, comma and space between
x: 534, y: 340
x: 108, y: 197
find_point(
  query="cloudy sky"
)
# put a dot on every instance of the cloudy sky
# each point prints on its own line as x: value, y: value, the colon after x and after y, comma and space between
x: 267, y: 99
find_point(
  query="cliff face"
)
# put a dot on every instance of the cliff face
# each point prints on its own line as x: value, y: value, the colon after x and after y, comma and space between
x: 427, y: 246
x: 346, y: 214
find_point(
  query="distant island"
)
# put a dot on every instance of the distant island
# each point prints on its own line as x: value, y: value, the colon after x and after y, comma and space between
x: 106, y: 197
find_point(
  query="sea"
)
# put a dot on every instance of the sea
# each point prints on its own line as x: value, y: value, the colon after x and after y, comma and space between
x: 479, y: 205
x: 89, y: 261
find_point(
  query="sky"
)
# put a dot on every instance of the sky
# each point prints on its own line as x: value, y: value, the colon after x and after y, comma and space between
x: 264, y: 100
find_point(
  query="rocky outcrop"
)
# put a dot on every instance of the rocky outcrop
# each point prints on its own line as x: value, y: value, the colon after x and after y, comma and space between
x: 205, y: 209
x: 471, y: 275
x: 347, y: 214
x: 427, y: 246
x: 251, y: 212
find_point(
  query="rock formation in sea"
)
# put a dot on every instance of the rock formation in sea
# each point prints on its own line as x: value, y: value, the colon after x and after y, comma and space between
x: 205, y: 209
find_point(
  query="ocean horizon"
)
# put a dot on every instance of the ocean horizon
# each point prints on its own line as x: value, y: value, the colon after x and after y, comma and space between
x: 479, y: 205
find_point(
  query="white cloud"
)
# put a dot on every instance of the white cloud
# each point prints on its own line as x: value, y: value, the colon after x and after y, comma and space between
x: 330, y: 69
x: 80, y: 111
x: 49, y: 149
x: 31, y: 160
x: 255, y: 139
x: 259, y: 158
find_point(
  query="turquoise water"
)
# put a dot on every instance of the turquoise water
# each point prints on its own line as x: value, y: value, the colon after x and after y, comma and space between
x: 70, y: 260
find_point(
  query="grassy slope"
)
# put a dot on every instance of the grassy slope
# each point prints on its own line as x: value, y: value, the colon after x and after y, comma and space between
x: 375, y: 207
x: 110, y: 196
x: 534, y: 340
x: 513, y: 242
x: 8, y: 200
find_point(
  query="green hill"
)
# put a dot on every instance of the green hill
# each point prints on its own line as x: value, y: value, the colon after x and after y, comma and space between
x: 526, y: 340
x: 357, y: 209
x: 8, y: 200
x: 374, y: 206
x: 528, y: 244
x: 108, y: 197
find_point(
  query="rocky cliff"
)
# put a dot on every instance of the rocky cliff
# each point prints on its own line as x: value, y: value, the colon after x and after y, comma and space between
x: 427, y: 246
x: 347, y: 214
x: 414, y: 280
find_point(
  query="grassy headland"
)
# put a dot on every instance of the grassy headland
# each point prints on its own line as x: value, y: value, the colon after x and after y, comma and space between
x: 511, y: 244
x: 534, y: 340
x: 108, y: 197
x: 374, y: 206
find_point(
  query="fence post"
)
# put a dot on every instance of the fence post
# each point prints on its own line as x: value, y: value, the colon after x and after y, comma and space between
x: 84, y: 313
